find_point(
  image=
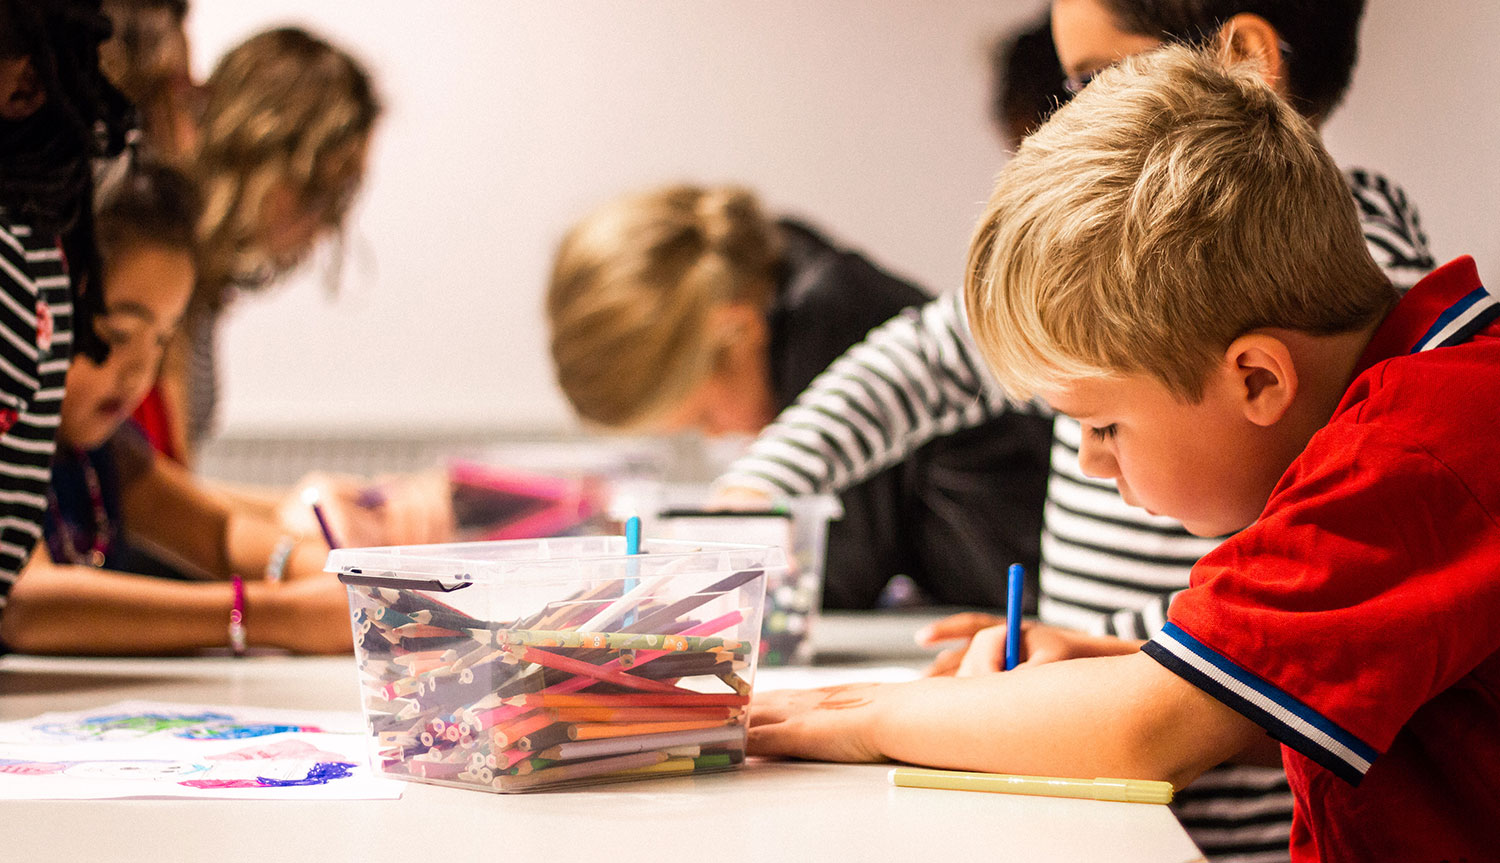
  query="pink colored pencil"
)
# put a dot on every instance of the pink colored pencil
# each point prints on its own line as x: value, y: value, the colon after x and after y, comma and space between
x: 597, y: 672
x: 642, y: 699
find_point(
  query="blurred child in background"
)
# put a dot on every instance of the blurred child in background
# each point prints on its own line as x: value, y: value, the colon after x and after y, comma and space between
x: 687, y: 308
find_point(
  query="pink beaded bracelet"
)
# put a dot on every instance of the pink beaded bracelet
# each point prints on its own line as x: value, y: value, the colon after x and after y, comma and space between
x: 237, y: 618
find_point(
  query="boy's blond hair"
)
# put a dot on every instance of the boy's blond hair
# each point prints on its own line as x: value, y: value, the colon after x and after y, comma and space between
x: 1172, y: 207
x: 633, y: 288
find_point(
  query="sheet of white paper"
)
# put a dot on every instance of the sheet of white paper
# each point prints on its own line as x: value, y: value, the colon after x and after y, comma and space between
x: 154, y: 749
x: 814, y: 676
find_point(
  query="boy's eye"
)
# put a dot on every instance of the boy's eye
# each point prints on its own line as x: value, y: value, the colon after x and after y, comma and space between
x: 1104, y: 432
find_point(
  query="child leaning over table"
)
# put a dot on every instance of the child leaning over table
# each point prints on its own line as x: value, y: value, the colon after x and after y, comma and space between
x: 1336, y: 426
x: 109, y: 491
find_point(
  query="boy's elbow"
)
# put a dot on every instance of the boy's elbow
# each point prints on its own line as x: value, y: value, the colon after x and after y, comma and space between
x: 1179, y: 731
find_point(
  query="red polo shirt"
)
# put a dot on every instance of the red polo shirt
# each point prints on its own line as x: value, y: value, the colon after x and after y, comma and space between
x: 1358, y: 620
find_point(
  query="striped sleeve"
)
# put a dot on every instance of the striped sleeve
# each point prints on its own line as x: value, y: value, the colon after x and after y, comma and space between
x: 916, y: 377
x: 1392, y: 227
x: 36, y: 324
x: 18, y: 351
x: 1287, y: 718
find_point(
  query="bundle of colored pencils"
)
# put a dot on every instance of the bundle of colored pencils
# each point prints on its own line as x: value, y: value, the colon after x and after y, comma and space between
x: 611, y: 683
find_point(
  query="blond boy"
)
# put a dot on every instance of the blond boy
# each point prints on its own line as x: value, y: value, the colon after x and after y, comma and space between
x: 1174, y: 261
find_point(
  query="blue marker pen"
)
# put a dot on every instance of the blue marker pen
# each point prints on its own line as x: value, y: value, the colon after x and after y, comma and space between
x: 1014, y: 585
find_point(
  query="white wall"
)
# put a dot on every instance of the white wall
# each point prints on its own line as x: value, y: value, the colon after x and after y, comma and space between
x: 508, y: 119
x: 1425, y: 110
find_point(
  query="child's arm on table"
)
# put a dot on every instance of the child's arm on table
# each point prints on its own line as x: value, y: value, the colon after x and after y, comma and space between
x: 71, y: 609
x: 168, y: 511
x: 1118, y: 716
x: 57, y: 609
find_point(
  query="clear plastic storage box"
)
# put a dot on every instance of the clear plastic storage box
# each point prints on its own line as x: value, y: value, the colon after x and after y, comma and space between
x: 537, y: 664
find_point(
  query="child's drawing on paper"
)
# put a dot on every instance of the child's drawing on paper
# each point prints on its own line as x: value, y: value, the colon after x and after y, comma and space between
x: 160, y: 750
x: 202, y: 725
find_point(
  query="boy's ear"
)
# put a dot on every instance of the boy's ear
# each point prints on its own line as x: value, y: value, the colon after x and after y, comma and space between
x: 1247, y: 36
x: 1264, y: 377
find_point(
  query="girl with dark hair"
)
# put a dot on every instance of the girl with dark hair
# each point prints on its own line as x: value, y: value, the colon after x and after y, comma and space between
x: 56, y: 113
x: 110, y: 492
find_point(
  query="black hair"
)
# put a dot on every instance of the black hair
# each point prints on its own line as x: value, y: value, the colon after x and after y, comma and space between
x: 46, y: 176
x: 1323, y: 38
x: 1026, y: 80
x: 178, y: 9
x: 149, y: 202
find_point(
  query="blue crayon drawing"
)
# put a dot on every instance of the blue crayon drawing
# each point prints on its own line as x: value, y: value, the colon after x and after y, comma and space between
x: 320, y: 774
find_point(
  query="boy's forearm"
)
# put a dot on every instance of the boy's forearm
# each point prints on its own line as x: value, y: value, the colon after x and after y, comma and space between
x: 1122, y: 716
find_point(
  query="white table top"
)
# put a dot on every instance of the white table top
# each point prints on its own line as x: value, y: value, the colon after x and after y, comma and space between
x: 769, y: 810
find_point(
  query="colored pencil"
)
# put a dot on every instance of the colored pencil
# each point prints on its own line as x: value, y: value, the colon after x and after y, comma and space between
x: 603, y: 730
x: 724, y: 735
x: 639, y: 714
x: 643, y: 699
x: 578, y: 770
x: 574, y: 666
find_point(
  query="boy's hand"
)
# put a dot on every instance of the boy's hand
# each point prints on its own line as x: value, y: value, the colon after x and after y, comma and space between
x: 985, y: 652
x: 830, y: 724
x: 954, y: 627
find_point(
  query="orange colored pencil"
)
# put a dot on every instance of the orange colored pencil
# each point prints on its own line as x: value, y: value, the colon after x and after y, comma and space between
x: 507, y: 734
x: 639, y: 714
x: 601, y: 730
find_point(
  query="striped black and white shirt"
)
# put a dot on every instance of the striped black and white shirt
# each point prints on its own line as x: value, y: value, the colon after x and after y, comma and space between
x: 36, y: 342
x: 1107, y: 568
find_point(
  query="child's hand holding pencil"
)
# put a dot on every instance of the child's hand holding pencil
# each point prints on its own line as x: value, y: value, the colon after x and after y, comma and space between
x: 412, y: 509
x: 984, y: 651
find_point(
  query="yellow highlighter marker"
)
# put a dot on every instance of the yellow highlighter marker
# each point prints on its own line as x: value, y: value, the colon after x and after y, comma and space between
x: 1120, y: 790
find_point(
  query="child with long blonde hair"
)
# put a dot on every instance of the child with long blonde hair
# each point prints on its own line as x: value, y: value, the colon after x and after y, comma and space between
x: 286, y: 125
